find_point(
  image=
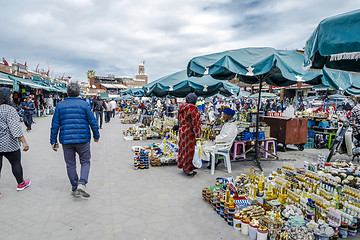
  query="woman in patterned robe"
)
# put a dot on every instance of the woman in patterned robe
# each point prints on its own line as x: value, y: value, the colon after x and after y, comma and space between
x: 189, y: 132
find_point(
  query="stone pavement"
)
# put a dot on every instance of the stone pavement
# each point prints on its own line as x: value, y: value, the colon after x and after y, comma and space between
x: 158, y: 203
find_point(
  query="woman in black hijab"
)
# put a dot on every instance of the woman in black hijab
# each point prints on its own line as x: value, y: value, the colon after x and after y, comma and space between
x: 189, y: 133
x: 191, y: 98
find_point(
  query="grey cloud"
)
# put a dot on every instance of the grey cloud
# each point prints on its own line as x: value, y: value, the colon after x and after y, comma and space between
x: 112, y: 37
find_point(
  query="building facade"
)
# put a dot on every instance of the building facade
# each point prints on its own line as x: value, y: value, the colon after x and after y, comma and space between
x: 112, y: 84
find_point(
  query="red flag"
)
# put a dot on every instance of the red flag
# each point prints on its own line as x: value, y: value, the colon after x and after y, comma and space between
x: 5, y: 62
x: 25, y: 64
x: 37, y: 68
x: 69, y: 77
x: 47, y: 74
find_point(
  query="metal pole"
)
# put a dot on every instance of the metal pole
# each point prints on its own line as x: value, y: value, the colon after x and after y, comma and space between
x: 257, y: 128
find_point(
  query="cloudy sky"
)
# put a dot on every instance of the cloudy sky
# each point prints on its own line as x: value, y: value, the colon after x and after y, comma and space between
x: 114, y: 36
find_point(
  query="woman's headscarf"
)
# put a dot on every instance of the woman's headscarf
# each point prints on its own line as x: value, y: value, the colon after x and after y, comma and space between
x: 5, y: 94
x: 191, y: 98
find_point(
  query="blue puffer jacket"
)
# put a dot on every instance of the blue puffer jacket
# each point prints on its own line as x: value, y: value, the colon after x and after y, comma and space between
x: 73, y: 117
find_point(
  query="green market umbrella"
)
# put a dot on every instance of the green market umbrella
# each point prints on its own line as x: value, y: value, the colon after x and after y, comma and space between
x: 123, y: 92
x: 137, y: 92
x: 134, y: 92
x: 335, y: 43
x: 341, y: 80
x: 179, y: 85
x: 255, y: 65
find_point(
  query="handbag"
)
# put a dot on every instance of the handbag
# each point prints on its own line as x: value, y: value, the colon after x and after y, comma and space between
x: 197, y: 156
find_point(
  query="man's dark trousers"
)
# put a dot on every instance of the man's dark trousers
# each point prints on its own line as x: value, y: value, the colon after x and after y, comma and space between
x: 83, y: 150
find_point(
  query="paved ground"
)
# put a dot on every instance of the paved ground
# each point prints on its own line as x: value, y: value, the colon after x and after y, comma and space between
x: 159, y: 203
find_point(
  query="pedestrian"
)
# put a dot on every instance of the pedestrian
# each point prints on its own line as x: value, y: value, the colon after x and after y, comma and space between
x: 189, y: 132
x: 144, y: 113
x: 11, y: 136
x: 98, y: 109
x: 29, y: 108
x: 113, y: 107
x: 107, y: 111
x: 73, y: 118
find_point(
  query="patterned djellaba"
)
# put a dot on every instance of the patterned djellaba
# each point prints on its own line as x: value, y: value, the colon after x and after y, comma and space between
x: 189, y: 129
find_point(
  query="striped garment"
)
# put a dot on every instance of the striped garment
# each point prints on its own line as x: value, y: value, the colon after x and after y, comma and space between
x: 10, y: 129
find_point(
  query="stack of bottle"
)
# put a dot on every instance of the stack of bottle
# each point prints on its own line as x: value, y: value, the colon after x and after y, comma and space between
x: 310, y: 210
x: 229, y: 207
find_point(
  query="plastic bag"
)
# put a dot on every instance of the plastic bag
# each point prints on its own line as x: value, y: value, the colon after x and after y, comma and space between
x: 197, y: 156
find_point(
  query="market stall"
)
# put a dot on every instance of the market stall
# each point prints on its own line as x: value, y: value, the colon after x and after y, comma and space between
x: 254, y: 65
x: 319, y: 201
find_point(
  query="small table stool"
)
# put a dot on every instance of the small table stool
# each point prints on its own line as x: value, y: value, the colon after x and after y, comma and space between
x: 268, y: 147
x: 236, y: 150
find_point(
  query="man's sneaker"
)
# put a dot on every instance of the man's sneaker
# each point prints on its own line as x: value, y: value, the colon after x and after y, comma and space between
x: 76, y: 193
x: 82, y: 189
x: 26, y: 183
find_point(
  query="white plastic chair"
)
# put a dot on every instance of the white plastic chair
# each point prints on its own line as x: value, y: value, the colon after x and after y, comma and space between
x: 225, y: 151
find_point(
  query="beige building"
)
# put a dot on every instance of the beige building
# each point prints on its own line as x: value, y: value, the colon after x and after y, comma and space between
x: 141, y: 78
x: 112, y: 84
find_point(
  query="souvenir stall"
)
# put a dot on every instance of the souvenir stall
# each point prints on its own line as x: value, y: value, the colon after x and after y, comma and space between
x: 165, y: 153
x: 157, y: 129
x: 319, y: 201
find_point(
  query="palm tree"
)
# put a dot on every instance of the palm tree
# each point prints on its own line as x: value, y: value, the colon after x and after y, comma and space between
x: 90, y: 74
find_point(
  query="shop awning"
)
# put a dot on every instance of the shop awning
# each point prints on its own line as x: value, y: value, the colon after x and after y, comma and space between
x: 38, y: 83
x: 4, y: 79
x: 27, y: 82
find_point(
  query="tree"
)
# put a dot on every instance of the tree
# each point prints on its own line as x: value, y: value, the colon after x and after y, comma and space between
x: 90, y: 74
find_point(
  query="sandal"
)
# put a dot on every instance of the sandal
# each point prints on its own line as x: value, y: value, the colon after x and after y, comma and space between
x: 192, y: 173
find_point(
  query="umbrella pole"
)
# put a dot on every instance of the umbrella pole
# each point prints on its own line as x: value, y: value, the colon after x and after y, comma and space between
x: 257, y: 129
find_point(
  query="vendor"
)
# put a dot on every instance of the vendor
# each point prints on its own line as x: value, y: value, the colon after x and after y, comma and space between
x: 143, y: 113
x: 228, y: 132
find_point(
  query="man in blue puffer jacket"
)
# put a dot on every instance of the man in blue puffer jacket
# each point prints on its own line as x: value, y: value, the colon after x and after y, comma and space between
x: 73, y: 117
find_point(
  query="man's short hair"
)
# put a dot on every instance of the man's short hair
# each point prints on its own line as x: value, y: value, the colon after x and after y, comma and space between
x: 73, y: 89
